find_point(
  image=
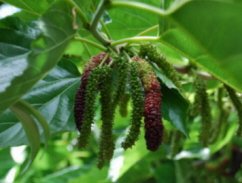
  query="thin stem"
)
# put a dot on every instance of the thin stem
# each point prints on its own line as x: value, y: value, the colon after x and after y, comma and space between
x: 98, y: 14
x: 91, y: 43
x: 103, y: 60
x: 138, y: 5
x: 135, y: 39
x: 88, y: 51
x: 80, y: 13
x: 105, y: 29
x: 113, y: 50
x: 94, y: 23
x: 148, y: 30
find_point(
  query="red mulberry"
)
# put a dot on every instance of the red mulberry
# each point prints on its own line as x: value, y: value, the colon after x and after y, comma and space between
x: 80, y: 95
x: 152, y: 109
x: 91, y: 93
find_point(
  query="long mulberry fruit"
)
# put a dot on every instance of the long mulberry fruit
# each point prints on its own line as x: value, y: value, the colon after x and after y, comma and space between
x: 80, y: 95
x: 91, y: 93
x: 107, y: 116
x: 150, y: 53
x: 202, y: 102
x: 121, y: 69
x: 137, y: 96
x: 152, y: 106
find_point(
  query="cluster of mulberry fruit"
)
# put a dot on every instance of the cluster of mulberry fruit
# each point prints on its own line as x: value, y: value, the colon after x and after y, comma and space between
x: 115, y: 81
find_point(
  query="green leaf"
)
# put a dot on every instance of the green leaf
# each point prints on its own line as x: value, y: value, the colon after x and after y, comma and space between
x: 44, y: 124
x: 6, y: 162
x: 138, y: 163
x: 30, y: 129
x: 22, y: 70
x: 174, y: 105
x: 87, y: 7
x: 134, y: 155
x: 94, y: 175
x: 34, y: 7
x: 174, y: 108
x: 54, y: 98
x: 209, y: 35
x: 165, y: 172
x: 65, y: 175
x: 129, y: 22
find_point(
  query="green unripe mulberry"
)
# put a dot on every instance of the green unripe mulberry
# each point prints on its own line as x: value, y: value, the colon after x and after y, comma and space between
x: 90, y: 98
x: 202, y: 103
x: 107, y: 116
x: 150, y: 53
x: 137, y: 96
x: 80, y: 95
x: 121, y: 72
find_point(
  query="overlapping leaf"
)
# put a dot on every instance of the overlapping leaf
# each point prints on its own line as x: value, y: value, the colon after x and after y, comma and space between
x: 54, y: 97
x: 25, y: 66
x: 209, y: 35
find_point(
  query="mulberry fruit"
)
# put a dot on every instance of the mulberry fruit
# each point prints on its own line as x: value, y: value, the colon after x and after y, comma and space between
x: 80, y: 95
x: 121, y: 78
x: 137, y: 96
x: 152, y: 105
x: 107, y: 116
x: 91, y: 93
x: 150, y: 53
x: 202, y: 103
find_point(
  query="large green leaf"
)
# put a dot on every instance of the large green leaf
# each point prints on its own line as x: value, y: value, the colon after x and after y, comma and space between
x: 129, y: 22
x: 54, y: 97
x: 24, y: 68
x: 87, y: 7
x: 209, y: 35
x: 138, y: 163
x: 33, y: 7
x: 174, y: 108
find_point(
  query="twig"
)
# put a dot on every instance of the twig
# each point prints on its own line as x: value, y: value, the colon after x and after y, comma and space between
x: 91, y: 43
x: 94, y: 23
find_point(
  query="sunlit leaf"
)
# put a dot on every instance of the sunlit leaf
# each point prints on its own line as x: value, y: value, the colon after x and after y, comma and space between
x: 25, y: 67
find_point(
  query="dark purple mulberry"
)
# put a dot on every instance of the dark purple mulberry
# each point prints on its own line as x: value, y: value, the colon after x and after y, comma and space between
x: 152, y: 106
x: 80, y: 95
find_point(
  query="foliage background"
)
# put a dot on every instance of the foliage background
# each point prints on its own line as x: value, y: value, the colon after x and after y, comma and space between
x: 43, y: 49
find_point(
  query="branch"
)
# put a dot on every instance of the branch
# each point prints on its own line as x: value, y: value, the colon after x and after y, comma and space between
x: 138, y: 5
x: 135, y: 39
x: 94, y: 23
x: 155, y: 27
x: 90, y: 42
